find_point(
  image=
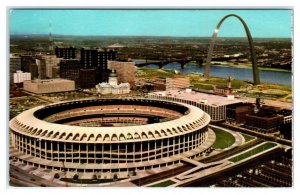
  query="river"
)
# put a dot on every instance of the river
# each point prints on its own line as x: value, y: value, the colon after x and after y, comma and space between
x: 266, y: 76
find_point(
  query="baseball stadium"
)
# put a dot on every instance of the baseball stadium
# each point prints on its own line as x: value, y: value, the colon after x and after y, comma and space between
x: 110, y: 135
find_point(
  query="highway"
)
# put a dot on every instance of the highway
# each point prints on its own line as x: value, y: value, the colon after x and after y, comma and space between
x: 19, y: 177
x: 232, y: 151
x: 176, y: 171
x: 258, y: 134
x: 227, y: 172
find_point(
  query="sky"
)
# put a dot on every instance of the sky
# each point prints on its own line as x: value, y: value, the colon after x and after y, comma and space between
x: 181, y: 23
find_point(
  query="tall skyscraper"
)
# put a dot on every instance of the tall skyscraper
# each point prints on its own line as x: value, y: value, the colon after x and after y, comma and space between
x: 26, y: 61
x: 66, y: 52
x: 97, y: 59
x: 87, y: 78
x: 51, y: 61
x: 70, y: 69
x: 41, y: 64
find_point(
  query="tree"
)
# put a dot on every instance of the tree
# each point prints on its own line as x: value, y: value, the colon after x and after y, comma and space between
x: 76, y: 177
x: 133, y: 173
x: 94, y: 177
x: 56, y: 176
x: 115, y: 177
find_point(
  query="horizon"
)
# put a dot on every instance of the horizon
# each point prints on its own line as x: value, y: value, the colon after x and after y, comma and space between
x: 163, y: 23
x: 158, y: 36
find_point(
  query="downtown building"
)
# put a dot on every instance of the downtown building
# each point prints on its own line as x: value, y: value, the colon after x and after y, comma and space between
x: 48, y: 86
x: 112, y: 87
x: 41, y: 67
x: 70, y: 69
x: 28, y: 64
x: 45, y: 64
x: 269, y: 119
x: 125, y: 71
x: 87, y: 71
x: 20, y: 77
x: 87, y: 78
x: 159, y: 84
x: 237, y: 112
x: 178, y: 82
x: 175, y: 83
x: 97, y: 60
x: 14, y: 66
x: 51, y: 61
x: 263, y: 123
x: 26, y: 61
x: 66, y: 52
x: 214, y: 105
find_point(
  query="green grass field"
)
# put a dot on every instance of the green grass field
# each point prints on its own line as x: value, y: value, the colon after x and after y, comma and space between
x: 223, y: 139
x: 203, y: 86
x: 150, y: 73
x: 215, y: 81
x: 163, y: 184
x: 252, y: 152
x: 247, y: 137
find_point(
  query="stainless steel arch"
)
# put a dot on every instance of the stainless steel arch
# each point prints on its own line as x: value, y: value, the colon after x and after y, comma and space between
x: 256, y: 79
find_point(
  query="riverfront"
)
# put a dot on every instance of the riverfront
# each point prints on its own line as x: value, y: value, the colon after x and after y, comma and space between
x: 265, y: 90
x: 240, y: 72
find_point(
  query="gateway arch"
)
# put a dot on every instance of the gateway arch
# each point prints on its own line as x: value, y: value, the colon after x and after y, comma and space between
x: 256, y: 79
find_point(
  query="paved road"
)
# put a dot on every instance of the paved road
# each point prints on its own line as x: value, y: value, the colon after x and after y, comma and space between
x: 20, y: 177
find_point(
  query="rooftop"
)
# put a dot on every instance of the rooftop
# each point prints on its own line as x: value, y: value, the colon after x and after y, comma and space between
x: 194, y: 119
x: 46, y: 81
x: 209, y: 99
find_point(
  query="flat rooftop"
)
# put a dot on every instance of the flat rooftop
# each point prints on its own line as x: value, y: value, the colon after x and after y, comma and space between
x: 209, y: 99
x: 47, y: 81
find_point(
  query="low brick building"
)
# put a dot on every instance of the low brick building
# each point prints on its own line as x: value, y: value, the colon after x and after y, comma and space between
x: 237, y: 112
x: 87, y: 78
x: 263, y: 123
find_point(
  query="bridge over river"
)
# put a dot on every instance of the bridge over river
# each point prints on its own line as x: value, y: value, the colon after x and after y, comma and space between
x: 162, y: 63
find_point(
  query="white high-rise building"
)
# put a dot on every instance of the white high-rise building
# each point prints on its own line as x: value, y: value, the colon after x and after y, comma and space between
x: 20, y: 76
x: 14, y: 65
x: 51, y: 61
